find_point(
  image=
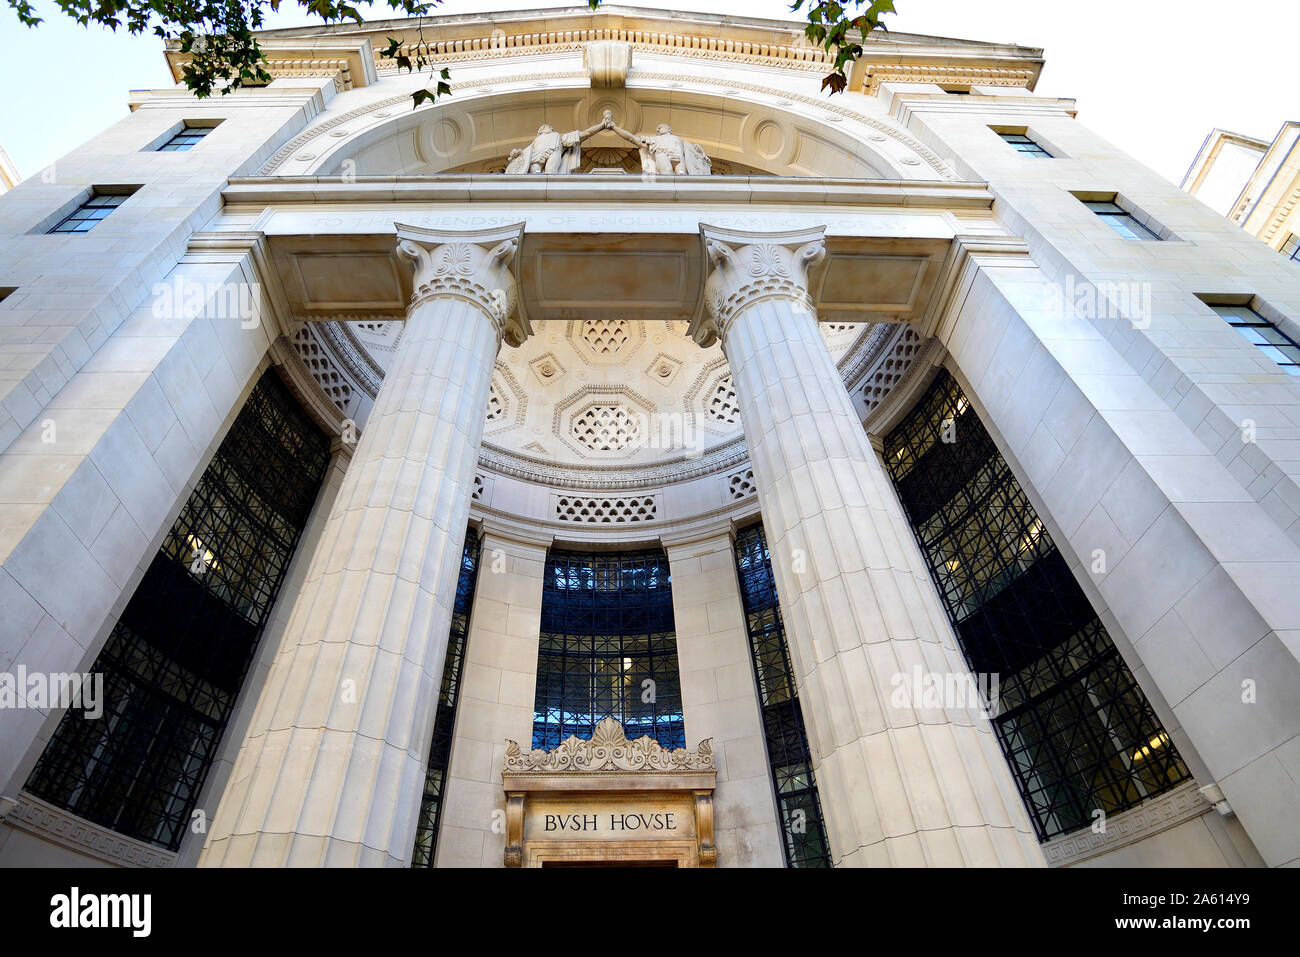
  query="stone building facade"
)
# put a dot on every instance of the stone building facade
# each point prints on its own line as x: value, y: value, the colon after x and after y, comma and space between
x: 749, y: 477
x: 1254, y: 182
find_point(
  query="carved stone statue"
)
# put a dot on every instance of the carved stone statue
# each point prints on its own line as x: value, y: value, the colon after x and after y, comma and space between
x: 551, y: 152
x: 665, y: 152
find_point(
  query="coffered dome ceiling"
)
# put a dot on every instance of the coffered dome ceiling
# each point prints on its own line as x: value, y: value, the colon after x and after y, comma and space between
x: 630, y: 398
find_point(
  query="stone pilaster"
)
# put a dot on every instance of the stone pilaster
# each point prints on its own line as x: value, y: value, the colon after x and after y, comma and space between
x: 900, y: 784
x: 720, y: 697
x: 497, y: 694
x: 332, y: 767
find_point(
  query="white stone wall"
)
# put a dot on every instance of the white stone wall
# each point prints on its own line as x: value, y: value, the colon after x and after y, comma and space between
x: 1128, y: 439
x: 110, y: 402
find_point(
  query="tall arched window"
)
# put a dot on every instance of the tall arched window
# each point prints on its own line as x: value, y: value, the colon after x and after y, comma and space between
x: 608, y: 648
x: 175, y: 661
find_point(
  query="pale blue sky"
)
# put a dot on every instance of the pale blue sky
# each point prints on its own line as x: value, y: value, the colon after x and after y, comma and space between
x: 1152, y: 76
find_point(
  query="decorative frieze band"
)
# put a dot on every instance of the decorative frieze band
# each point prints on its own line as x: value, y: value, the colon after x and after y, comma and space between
x: 1151, y: 817
x: 606, y: 510
x: 61, y: 827
x: 500, y: 45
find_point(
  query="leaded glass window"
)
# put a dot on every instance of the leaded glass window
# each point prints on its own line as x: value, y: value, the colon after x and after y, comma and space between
x: 1078, y: 732
x: 174, y: 662
x: 788, y: 757
x: 608, y: 648
x: 444, y: 721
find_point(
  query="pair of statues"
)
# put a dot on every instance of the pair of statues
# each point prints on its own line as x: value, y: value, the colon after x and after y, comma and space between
x: 663, y: 153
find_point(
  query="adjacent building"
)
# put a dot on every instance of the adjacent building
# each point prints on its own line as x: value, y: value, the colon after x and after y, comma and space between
x: 1255, y: 183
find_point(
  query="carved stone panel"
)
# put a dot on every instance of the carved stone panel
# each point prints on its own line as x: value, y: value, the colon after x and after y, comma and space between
x: 609, y: 800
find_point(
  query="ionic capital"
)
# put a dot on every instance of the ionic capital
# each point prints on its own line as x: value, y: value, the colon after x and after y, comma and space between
x: 744, y: 268
x: 475, y: 265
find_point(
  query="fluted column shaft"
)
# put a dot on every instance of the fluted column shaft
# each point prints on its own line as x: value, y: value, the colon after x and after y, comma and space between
x: 900, y: 785
x: 332, y: 767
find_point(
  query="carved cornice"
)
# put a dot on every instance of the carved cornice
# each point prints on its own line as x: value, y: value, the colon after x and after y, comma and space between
x: 349, y: 60
x: 612, y: 476
x: 500, y: 46
x: 1149, y: 818
x: 608, y: 750
x: 873, y: 74
x: 353, y: 356
x: 477, y: 266
x: 77, y: 834
x: 864, y: 352
x: 745, y: 268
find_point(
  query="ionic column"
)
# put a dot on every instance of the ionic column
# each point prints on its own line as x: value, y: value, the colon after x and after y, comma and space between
x: 901, y: 785
x: 332, y: 767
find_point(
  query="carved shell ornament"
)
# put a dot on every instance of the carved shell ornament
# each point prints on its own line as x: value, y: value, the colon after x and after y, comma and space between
x: 455, y: 258
x: 609, y: 749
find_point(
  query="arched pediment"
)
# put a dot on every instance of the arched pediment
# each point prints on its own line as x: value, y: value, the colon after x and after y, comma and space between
x: 744, y: 127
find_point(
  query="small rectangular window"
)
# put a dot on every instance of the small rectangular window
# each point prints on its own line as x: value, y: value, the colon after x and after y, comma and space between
x: 1121, y: 220
x: 1023, y: 144
x: 1291, y: 248
x: 961, y: 90
x: 1263, y: 335
x: 186, y: 139
x: 86, y: 216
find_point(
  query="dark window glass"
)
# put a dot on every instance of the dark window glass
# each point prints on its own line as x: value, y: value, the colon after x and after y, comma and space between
x: 783, y: 727
x: 608, y: 648
x: 1023, y: 144
x: 186, y: 139
x: 1078, y: 732
x: 176, y: 659
x: 444, y: 721
x: 1263, y: 335
x: 86, y: 216
x: 1121, y: 220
